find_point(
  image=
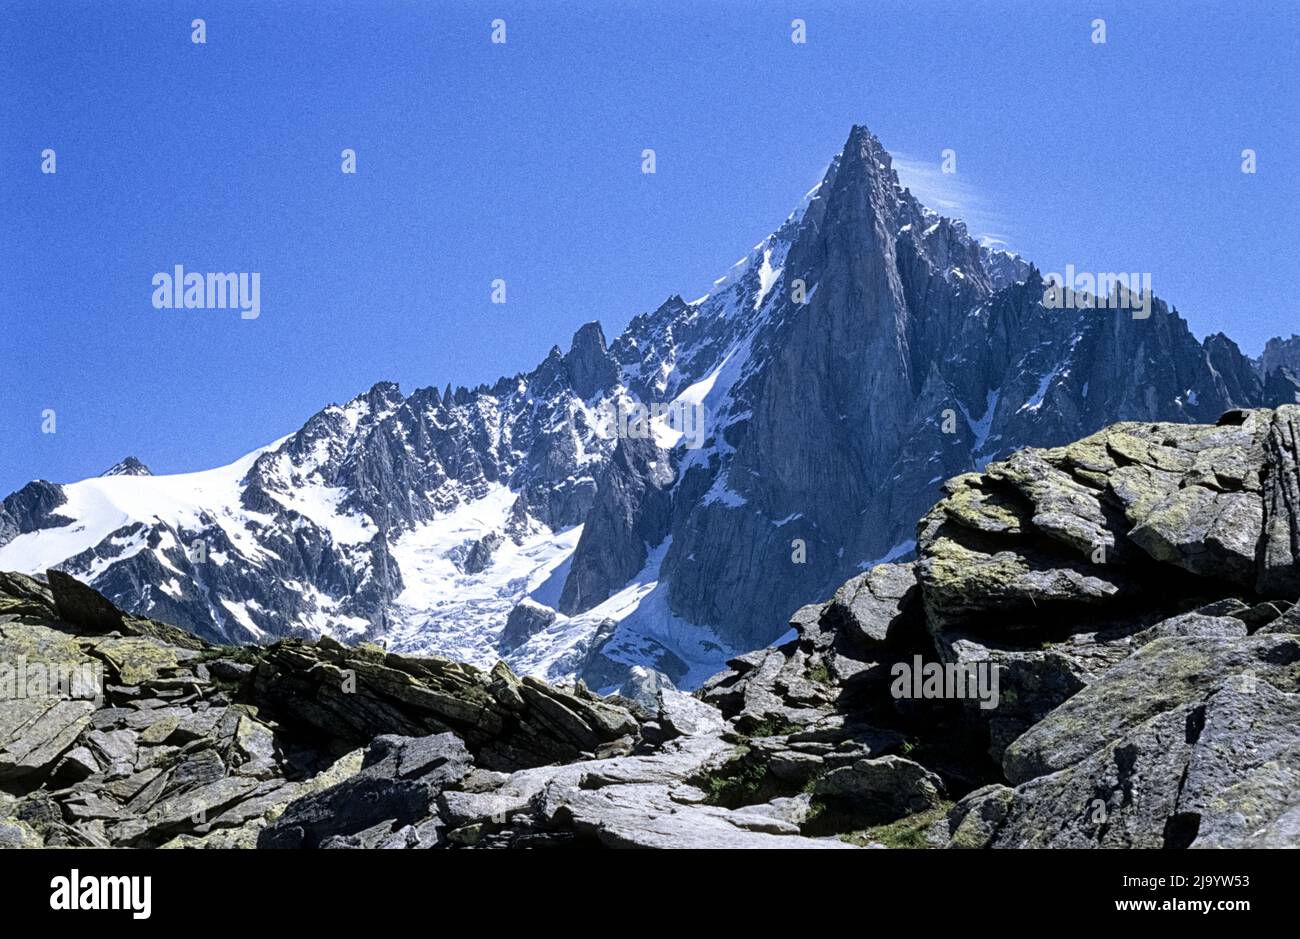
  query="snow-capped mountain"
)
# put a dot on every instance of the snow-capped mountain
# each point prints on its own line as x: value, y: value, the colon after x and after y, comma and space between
x: 866, y: 350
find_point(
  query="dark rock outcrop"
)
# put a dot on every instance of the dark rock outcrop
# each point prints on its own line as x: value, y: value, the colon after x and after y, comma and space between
x: 1282, y: 386
x: 525, y: 621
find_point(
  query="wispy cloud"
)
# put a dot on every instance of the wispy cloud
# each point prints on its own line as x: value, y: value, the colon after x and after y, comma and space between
x: 952, y: 195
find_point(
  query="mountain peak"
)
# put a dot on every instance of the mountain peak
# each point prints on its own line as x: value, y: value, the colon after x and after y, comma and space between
x: 128, y: 467
x: 860, y: 134
x: 861, y: 182
x: 1279, y: 351
x: 589, y: 334
x: 591, y: 368
x: 864, y: 146
x: 382, y: 397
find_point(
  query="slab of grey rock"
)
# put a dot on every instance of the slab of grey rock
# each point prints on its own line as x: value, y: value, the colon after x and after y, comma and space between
x: 873, y: 607
x: 1160, y: 676
x: 36, y: 732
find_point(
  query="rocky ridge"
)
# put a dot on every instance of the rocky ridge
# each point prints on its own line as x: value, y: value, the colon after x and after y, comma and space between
x: 163, y: 740
x: 1135, y: 591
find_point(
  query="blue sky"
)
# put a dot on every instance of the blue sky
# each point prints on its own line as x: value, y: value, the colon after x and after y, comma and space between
x: 522, y: 161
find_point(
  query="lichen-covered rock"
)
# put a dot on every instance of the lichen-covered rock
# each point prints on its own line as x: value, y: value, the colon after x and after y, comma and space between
x: 1279, y: 560
x: 974, y: 822
x: 1217, y: 770
x: 960, y: 578
x: 35, y: 732
x: 1161, y: 676
x: 1082, y: 523
x: 17, y: 834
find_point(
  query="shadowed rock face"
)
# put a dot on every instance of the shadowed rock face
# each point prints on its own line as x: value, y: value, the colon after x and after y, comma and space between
x: 1130, y: 599
x: 1282, y: 387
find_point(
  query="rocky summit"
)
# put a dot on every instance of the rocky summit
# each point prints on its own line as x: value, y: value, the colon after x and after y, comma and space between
x: 1097, y: 645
